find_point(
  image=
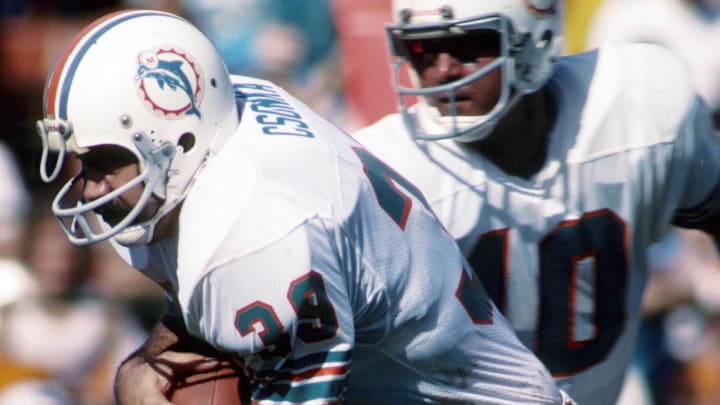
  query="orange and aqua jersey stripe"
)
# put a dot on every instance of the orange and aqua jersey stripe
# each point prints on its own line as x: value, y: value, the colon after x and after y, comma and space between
x: 61, y: 77
x: 316, y: 377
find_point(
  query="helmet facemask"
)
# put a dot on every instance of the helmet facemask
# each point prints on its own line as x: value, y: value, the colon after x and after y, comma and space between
x: 523, y: 62
x: 78, y: 217
x: 147, y: 82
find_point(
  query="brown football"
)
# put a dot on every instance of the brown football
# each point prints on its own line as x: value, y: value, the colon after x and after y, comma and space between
x: 221, y: 386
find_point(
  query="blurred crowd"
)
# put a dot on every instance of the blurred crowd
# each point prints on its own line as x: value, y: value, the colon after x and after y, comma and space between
x: 69, y: 315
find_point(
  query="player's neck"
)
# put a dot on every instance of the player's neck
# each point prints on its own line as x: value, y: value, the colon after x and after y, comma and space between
x: 518, y: 145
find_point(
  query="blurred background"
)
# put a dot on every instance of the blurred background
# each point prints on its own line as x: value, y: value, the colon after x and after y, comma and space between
x: 69, y: 315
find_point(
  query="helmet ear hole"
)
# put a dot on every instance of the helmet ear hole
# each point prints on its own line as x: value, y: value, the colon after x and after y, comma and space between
x: 186, y: 142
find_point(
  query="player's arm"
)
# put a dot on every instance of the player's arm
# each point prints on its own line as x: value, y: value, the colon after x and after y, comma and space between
x: 697, y: 161
x: 707, y: 219
x: 145, y: 376
x: 712, y: 227
x: 704, y: 217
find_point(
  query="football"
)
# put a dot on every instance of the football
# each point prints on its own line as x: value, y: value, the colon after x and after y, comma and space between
x: 221, y: 386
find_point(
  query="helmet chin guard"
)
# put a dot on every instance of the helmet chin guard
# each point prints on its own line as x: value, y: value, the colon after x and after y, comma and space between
x: 148, y: 82
x: 530, y: 37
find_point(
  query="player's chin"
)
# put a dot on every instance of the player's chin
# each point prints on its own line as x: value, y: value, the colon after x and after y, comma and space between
x: 111, y: 220
x: 462, y: 108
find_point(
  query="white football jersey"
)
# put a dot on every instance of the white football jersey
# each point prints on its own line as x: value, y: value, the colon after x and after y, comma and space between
x: 329, y: 276
x: 563, y: 253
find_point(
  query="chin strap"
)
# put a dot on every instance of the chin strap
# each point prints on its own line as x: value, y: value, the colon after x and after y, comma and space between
x: 157, y: 158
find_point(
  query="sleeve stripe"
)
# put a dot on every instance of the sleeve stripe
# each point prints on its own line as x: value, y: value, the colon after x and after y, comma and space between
x: 320, y: 392
x: 313, y: 361
x: 701, y: 214
x: 297, y: 378
x: 317, y: 378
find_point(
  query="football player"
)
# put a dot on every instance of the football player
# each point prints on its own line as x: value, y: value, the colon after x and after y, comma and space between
x: 281, y: 242
x: 554, y: 174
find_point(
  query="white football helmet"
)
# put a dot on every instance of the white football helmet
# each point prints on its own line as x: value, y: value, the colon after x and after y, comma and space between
x: 149, y: 82
x: 530, y: 35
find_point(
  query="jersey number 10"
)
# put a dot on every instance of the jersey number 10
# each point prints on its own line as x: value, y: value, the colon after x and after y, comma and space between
x: 600, y: 238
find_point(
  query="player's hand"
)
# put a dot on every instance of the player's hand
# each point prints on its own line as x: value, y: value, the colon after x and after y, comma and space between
x: 142, y: 381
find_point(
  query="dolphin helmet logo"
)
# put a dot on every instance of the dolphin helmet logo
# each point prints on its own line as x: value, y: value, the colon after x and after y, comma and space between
x: 170, y: 83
